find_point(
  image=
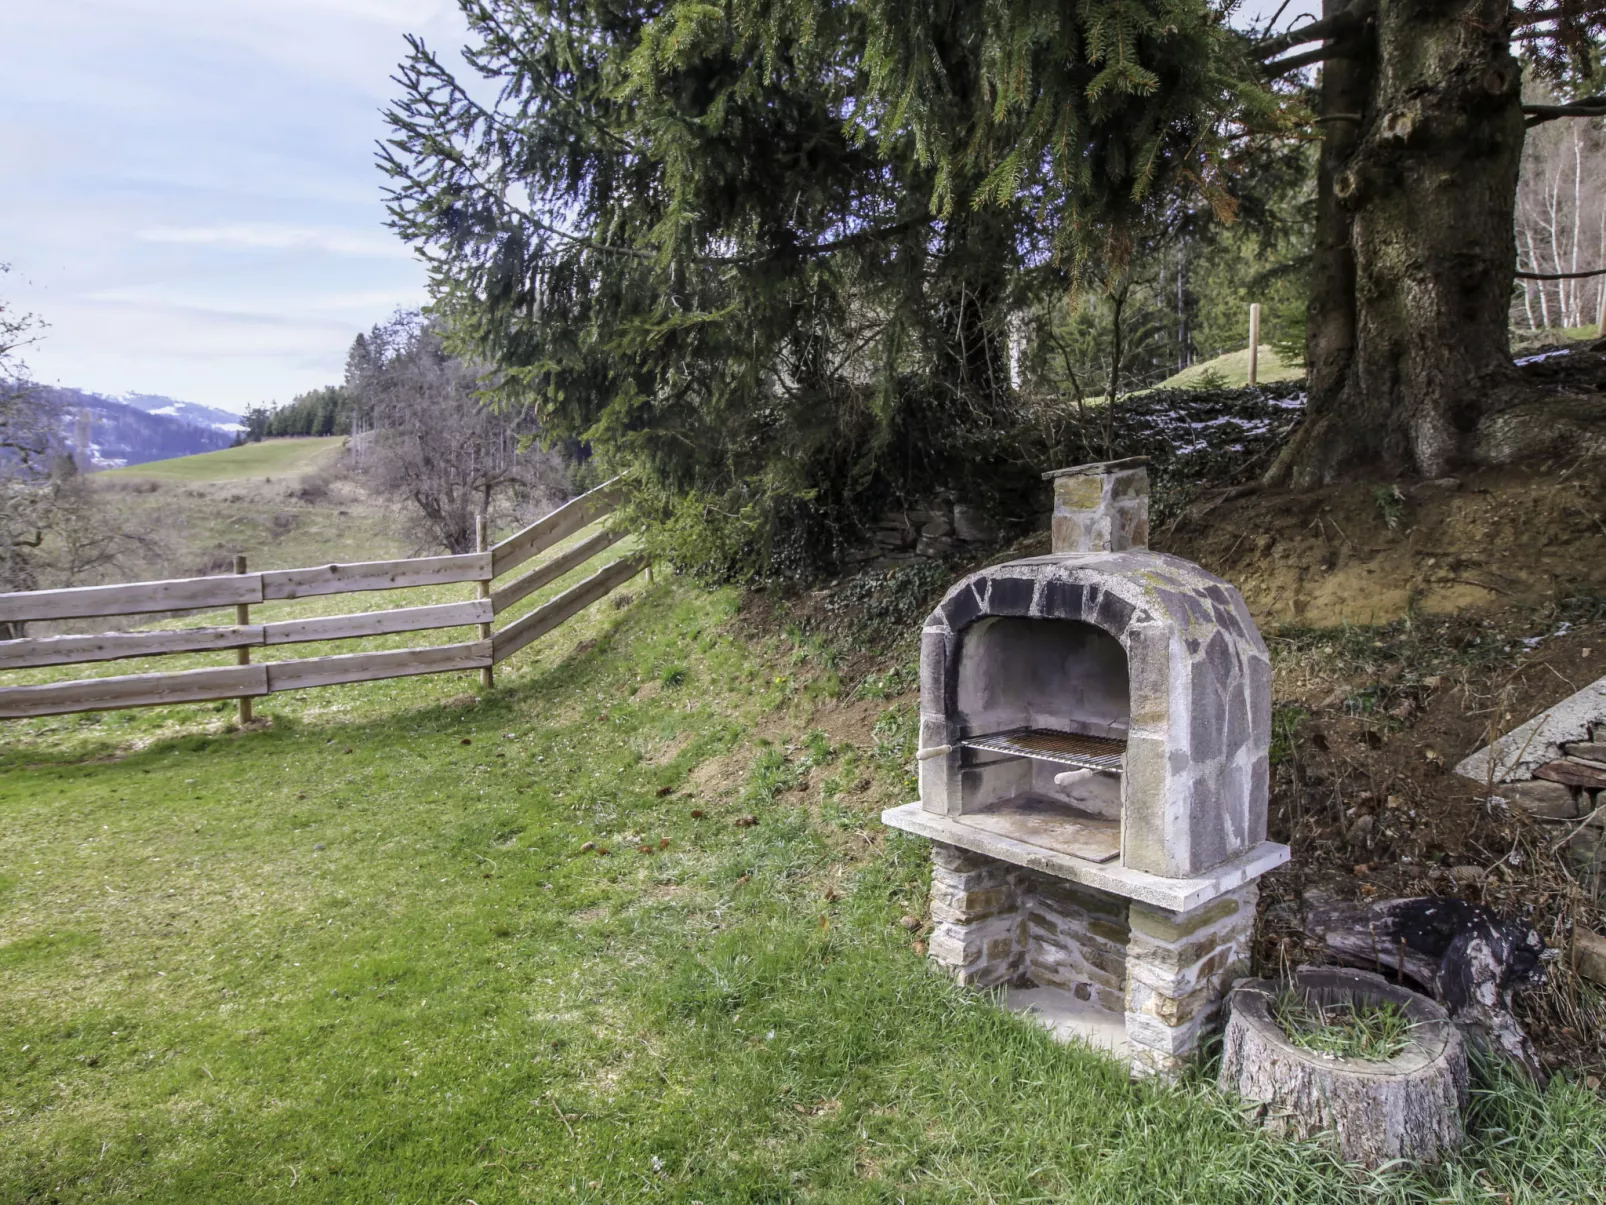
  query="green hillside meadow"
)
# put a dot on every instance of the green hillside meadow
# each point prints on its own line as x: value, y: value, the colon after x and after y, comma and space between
x: 269, y: 458
x: 411, y: 942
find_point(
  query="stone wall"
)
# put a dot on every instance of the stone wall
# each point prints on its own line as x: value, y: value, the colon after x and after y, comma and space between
x: 1554, y: 768
x: 930, y: 531
x: 1166, y: 972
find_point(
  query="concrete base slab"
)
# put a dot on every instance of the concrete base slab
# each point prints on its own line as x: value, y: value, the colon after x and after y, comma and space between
x: 1174, y: 895
x: 1070, y: 1019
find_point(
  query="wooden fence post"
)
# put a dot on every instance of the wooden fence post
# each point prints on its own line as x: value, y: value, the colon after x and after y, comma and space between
x: 242, y: 616
x: 481, y: 543
x: 1254, y: 341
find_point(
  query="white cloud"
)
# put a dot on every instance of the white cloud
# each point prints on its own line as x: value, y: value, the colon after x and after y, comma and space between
x: 270, y: 236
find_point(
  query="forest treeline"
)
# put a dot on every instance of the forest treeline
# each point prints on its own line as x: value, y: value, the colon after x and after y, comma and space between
x: 326, y: 411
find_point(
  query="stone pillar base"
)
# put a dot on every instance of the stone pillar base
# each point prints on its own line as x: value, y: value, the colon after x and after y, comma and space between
x: 979, y: 931
x: 1179, y: 966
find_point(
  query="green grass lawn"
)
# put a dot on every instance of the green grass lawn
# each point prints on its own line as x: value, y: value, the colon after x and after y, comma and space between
x: 1232, y: 368
x: 269, y: 458
x: 362, y: 954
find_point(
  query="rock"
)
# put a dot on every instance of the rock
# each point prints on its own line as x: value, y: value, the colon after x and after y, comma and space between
x: 1408, y: 1107
x: 937, y: 528
x: 1572, y: 773
x: 1542, y: 739
x: 973, y: 526
x: 1589, y: 750
x: 933, y: 548
x: 317, y: 846
x: 1445, y: 485
x: 1589, y: 955
x: 909, y: 922
x: 1548, y: 800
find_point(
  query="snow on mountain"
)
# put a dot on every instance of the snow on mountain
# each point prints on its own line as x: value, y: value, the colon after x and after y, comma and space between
x: 193, y: 413
x: 103, y: 432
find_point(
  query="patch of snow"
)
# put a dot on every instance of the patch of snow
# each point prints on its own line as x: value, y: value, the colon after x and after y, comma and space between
x: 1544, y: 355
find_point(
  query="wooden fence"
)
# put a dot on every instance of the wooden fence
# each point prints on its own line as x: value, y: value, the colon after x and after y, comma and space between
x: 241, y: 590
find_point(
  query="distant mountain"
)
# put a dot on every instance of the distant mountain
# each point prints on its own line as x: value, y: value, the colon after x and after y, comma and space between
x: 106, y: 434
x: 190, y: 412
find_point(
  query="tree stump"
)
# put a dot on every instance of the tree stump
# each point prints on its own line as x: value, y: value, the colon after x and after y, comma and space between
x: 1406, y: 1107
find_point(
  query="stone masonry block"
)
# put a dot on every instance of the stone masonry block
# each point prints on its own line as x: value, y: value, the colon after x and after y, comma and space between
x: 1169, y: 1010
x: 1168, y: 961
x: 1128, y: 483
x: 1226, y: 962
x: 971, y: 880
x: 967, y: 907
x: 964, y: 947
x: 1144, y: 1029
x: 1550, y: 800
x: 1176, y: 927
x: 952, y: 857
x: 1147, y: 1063
x: 1083, y: 492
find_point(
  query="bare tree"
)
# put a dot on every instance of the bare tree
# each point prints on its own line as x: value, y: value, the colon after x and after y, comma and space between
x: 54, y: 529
x: 1561, y: 223
x: 429, y: 438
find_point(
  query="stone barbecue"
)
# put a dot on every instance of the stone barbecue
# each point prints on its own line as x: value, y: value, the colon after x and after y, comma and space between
x: 1094, y: 758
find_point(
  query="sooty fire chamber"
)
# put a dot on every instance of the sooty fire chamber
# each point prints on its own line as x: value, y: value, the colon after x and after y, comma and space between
x: 1095, y: 734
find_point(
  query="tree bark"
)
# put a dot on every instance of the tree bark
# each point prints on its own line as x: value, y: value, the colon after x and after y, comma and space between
x: 1408, y: 1107
x: 1407, y: 341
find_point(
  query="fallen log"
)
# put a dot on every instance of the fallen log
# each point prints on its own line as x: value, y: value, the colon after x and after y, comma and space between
x: 1467, y: 956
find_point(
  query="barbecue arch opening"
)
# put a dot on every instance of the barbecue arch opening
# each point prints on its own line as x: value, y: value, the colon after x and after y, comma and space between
x: 1042, y: 709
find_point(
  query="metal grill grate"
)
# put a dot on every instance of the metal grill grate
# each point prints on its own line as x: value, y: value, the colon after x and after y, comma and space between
x: 1063, y: 748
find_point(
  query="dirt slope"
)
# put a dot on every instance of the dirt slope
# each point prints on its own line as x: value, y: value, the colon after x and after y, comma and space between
x: 1484, y: 542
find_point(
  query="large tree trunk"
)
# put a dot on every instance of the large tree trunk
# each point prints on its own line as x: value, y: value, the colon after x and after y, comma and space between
x: 1407, y: 341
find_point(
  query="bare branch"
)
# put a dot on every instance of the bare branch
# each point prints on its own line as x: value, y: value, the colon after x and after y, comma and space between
x: 1590, y: 106
x: 1311, y: 57
x: 1520, y: 18
x: 1337, y: 26
x: 1560, y: 275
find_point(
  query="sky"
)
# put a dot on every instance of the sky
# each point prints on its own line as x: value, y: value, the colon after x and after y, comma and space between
x: 191, y: 199
x: 192, y: 203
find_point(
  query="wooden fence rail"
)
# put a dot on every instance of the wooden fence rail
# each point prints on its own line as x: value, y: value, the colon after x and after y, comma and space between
x: 242, y: 590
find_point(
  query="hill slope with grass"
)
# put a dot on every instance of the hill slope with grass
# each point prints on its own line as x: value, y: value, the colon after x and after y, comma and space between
x: 625, y: 925
x: 266, y: 459
x: 1230, y: 370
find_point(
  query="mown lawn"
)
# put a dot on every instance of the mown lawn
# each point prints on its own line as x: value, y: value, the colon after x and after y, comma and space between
x: 361, y: 955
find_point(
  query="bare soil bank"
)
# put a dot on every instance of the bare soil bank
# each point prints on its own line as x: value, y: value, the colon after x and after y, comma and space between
x: 1483, y: 542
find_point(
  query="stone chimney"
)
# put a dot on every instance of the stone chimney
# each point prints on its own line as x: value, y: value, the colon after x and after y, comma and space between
x: 1101, y: 507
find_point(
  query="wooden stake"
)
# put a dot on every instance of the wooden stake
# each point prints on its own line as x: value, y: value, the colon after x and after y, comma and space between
x: 242, y: 617
x: 1254, y: 342
x: 481, y: 543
